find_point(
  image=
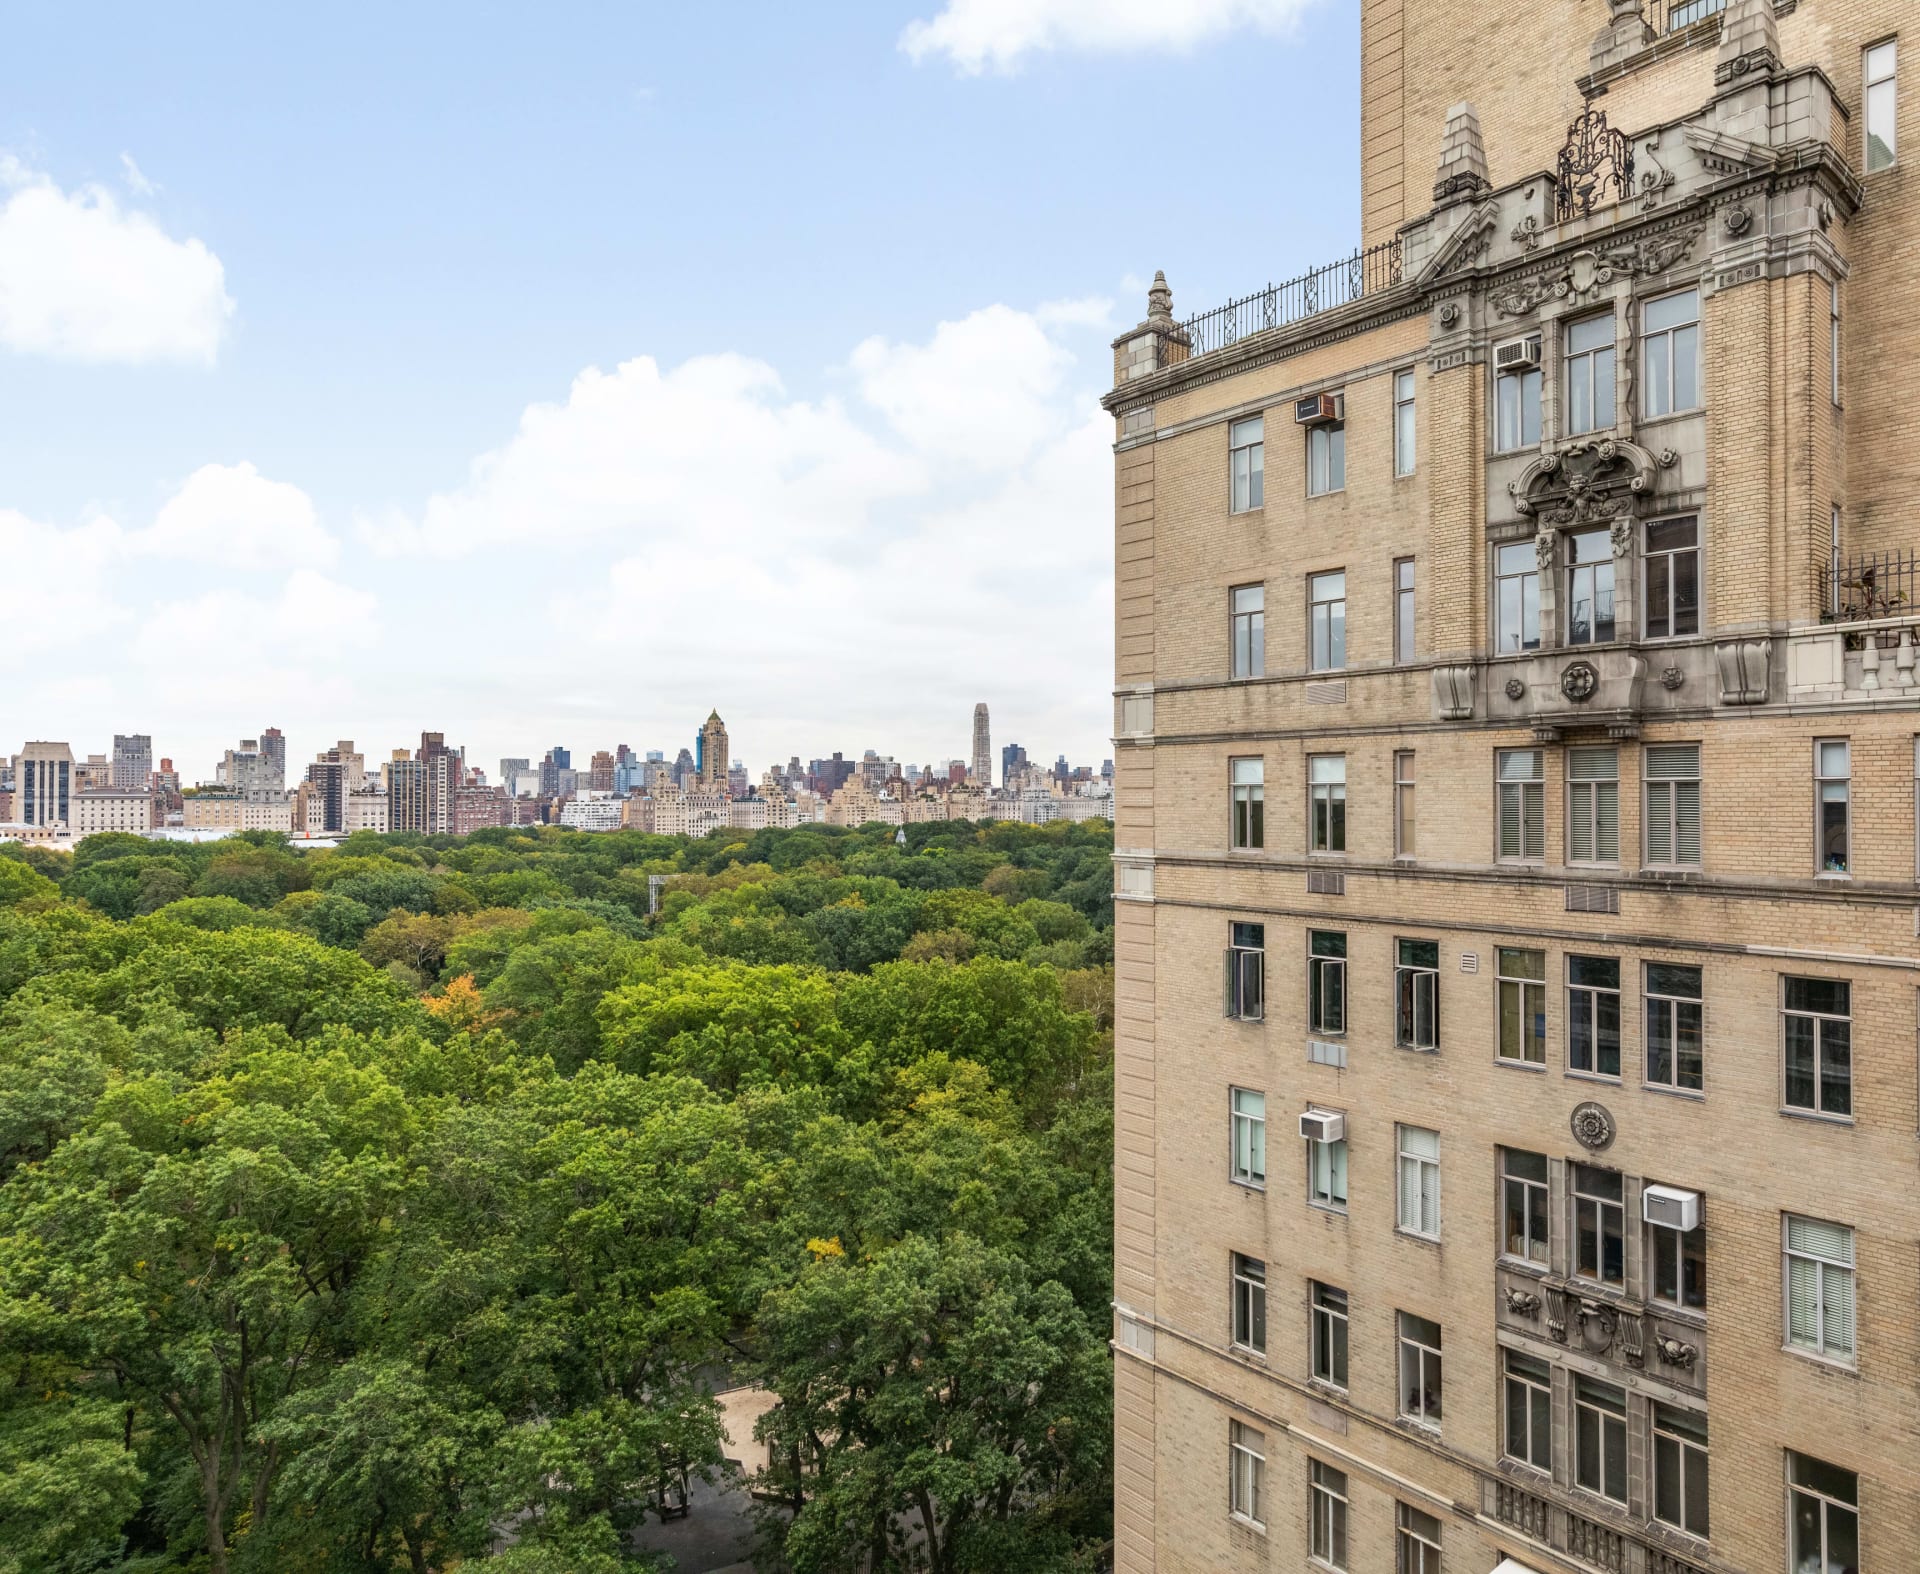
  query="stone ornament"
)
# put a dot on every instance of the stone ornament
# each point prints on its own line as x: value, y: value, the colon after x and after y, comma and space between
x: 1620, y: 538
x: 1579, y: 682
x: 1589, y: 268
x: 1597, y: 1324
x: 1676, y: 1352
x: 1672, y: 677
x: 1737, y: 220
x: 1449, y: 314
x: 1592, y: 1126
x: 1656, y: 180
x: 1522, y: 1303
x: 1453, y: 692
x: 1587, y: 483
x: 1515, y: 689
x: 1742, y: 665
x: 1526, y: 234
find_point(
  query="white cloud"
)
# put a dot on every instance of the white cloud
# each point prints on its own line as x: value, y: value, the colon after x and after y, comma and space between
x: 136, y: 179
x: 84, y: 279
x: 60, y: 582
x: 234, y: 516
x: 982, y: 35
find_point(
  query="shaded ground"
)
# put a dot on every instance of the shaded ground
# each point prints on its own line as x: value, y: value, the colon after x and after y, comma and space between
x: 716, y: 1537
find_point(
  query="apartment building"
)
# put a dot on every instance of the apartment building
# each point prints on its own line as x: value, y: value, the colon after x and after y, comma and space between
x: 1517, y: 758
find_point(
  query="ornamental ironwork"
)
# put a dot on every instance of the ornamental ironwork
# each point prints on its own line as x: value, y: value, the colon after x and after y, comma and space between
x: 1594, y: 158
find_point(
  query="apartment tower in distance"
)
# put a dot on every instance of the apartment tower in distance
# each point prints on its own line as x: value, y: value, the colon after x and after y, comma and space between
x: 714, y: 759
x: 1517, y: 707
x: 982, y: 747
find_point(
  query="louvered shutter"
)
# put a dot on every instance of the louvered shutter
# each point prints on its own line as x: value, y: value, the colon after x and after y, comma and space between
x: 1533, y: 821
x: 1659, y: 822
x: 1509, y: 820
x: 1686, y: 818
x: 1803, y: 1301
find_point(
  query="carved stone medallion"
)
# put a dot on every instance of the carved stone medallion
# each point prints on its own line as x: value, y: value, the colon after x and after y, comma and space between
x: 1579, y: 681
x: 1592, y: 1126
x: 1672, y: 677
x: 1515, y: 688
x: 1737, y: 220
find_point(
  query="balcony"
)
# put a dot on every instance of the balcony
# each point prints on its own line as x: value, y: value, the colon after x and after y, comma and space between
x: 1583, y: 1537
x: 1867, y: 648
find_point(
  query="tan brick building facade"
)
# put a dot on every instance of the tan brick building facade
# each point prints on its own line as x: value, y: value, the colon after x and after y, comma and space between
x: 1518, y: 1059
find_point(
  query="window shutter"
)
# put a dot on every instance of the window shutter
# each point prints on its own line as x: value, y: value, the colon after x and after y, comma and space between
x: 1253, y: 990
x: 1607, y: 821
x: 1231, y: 1006
x: 1580, y: 830
x: 1819, y: 1238
x: 1509, y: 821
x: 1686, y: 817
x: 1659, y: 822
x: 1803, y: 1298
x: 1536, y: 834
x: 1837, y: 1286
x: 1430, y: 1199
x: 1409, y: 1194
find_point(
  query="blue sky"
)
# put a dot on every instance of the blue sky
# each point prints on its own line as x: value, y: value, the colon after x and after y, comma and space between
x: 557, y: 376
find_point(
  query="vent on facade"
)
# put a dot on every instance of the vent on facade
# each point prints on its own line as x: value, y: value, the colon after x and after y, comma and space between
x: 1323, y: 1125
x: 1319, y: 409
x: 1321, y: 1053
x: 1469, y: 961
x: 1592, y: 899
x: 1327, y: 691
x: 1518, y: 355
x: 1671, y: 1208
x: 1326, y: 882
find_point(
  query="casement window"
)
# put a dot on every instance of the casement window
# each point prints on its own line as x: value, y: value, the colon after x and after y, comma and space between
x: 1246, y: 462
x: 1833, y: 794
x: 1416, y: 994
x: 1523, y: 1204
x: 1326, y: 1515
x: 1403, y: 609
x: 1419, y: 1203
x: 1517, y: 595
x: 1678, y: 1264
x: 1670, y: 352
x: 1820, y: 1289
x: 1420, y: 1370
x: 1326, y: 458
x: 1247, y: 971
x: 1405, y: 821
x: 1326, y: 982
x: 1248, y: 617
x: 1327, y: 1173
x: 1249, y: 790
x: 1883, y: 105
x: 1600, y: 1438
x: 1327, y: 621
x: 1593, y: 805
x: 1249, y: 1304
x: 1521, y: 984
x: 1673, y: 805
x: 1675, y: 1058
x: 1823, y: 1516
x: 1327, y: 1333
x: 1403, y: 453
x: 1816, y: 1028
x: 1416, y: 1546
x: 1327, y: 803
x: 1516, y: 403
x: 1589, y: 587
x: 1680, y: 1469
x: 1248, y: 1122
x: 1528, y: 1433
x: 1599, y: 1225
x: 1589, y: 374
x: 1246, y: 1473
x: 1593, y: 1015
x: 1522, y: 830
x: 1672, y: 574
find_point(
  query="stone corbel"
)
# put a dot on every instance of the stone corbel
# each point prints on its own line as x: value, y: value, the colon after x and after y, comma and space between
x: 1453, y: 692
x: 1557, y: 1313
x: 1632, y: 1345
x: 1742, y: 664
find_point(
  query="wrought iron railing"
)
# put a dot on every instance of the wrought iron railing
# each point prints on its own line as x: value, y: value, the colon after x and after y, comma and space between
x: 1364, y: 273
x: 1684, y: 13
x: 1874, y: 585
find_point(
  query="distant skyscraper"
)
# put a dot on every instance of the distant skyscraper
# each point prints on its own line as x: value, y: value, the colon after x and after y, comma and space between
x: 132, y: 759
x: 43, y: 784
x: 273, y: 758
x: 982, y: 747
x: 685, y: 770
x: 713, y: 758
x: 1012, y: 758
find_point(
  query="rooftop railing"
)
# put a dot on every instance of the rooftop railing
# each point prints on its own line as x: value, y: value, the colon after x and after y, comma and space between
x: 1364, y: 273
x: 1874, y: 585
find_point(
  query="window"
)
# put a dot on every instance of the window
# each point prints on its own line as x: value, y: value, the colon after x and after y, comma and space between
x: 1249, y: 621
x: 1246, y: 1472
x: 1680, y: 1469
x: 1600, y: 1438
x: 1246, y: 450
x: 1416, y: 992
x: 1593, y: 806
x: 1327, y: 1172
x: 1521, y: 984
x: 1593, y: 1015
x: 1832, y: 768
x: 1599, y: 1225
x: 1670, y: 351
x: 1820, y: 1287
x: 1589, y: 586
x: 1419, y: 1370
x: 1404, y: 823
x: 1823, y: 1509
x: 1882, y: 95
x: 1673, y: 805
x: 1833, y: 335
x: 1326, y: 982
x: 1403, y: 423
x: 1673, y: 1027
x: 1522, y: 831
x: 1529, y: 1429
x: 1590, y: 374
x: 1523, y: 1203
x: 1517, y: 593
x: 1517, y: 405
x: 1679, y: 1264
x: 1817, y: 1026
x: 1249, y: 803
x: 1327, y: 1314
x: 1246, y: 971
x: 1327, y: 621
x: 1327, y: 803
x: 1327, y: 1515
x: 1419, y: 1212
x: 1326, y: 458
x: 1673, y: 578
x: 1403, y: 609
x: 1249, y: 1304
x: 1417, y: 1547
x: 1249, y: 1122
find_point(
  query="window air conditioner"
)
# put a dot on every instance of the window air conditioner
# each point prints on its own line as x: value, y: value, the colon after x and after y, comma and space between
x: 1323, y: 1125
x: 1319, y: 409
x: 1671, y: 1208
x: 1516, y: 356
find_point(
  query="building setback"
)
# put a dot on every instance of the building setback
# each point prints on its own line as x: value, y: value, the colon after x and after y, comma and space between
x: 1516, y: 716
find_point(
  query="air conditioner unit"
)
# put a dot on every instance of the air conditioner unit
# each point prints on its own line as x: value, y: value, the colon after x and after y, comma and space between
x: 1517, y: 356
x: 1319, y: 409
x: 1323, y: 1125
x: 1671, y: 1207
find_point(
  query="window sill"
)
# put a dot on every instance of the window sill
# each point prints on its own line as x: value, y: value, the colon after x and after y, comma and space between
x: 1247, y: 1354
x: 1320, y: 1385
x: 1415, y: 1235
x: 1418, y: 1049
x: 1415, y: 1424
x: 1337, y: 1209
x: 1334, y: 491
x: 1695, y: 1095
x: 1831, y: 1363
x: 1243, y: 513
x: 1251, y: 1524
x: 1791, y: 1112
x: 1692, y: 1316
x: 1591, y: 1076
x: 1835, y: 875
x: 1527, y: 1265
x: 1519, y: 1065
x: 1257, y: 1188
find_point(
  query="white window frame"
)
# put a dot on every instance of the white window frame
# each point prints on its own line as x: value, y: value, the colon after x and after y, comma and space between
x: 1836, y: 1279
x: 1578, y: 365
x: 1326, y: 458
x: 1510, y: 436
x: 1326, y: 983
x: 1248, y: 1280
x: 1833, y: 335
x: 1610, y: 1428
x: 1247, y: 1134
x: 1416, y: 1542
x: 1528, y: 796
x: 1593, y: 811
x: 1411, y: 980
x: 1405, y: 632
x: 1245, y: 962
x: 1658, y: 344
x: 1586, y: 1004
x: 1662, y: 799
x: 1880, y: 68
x: 1326, y: 1171
x: 1658, y: 1000
x: 1327, y: 1516
x: 1535, y: 1194
x: 1406, y: 800
x: 1417, y: 1358
x: 1246, y: 1473
x: 1329, y: 1334
x: 1326, y: 631
x: 1523, y: 579
x: 1247, y: 631
x: 1527, y: 990
x: 1649, y: 554
x: 1664, y: 1245
x: 1417, y: 1188
x: 1823, y: 1503
x: 1246, y: 464
x: 1247, y: 788
x: 1326, y: 803
x: 1600, y: 575
x: 1829, y: 788
x: 1536, y: 1388
x: 1405, y: 434
x: 1822, y: 1027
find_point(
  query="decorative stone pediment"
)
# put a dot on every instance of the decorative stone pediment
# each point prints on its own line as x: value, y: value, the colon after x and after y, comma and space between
x: 1591, y: 267
x: 1588, y: 483
x: 1467, y: 244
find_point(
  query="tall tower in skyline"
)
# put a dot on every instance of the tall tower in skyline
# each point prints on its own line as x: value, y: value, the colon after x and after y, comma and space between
x: 714, y: 757
x: 982, y: 747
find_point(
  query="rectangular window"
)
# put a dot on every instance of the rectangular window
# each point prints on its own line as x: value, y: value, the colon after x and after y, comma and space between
x: 1405, y: 823
x: 1326, y: 982
x: 1593, y: 1015
x: 1327, y: 803
x: 1419, y: 1209
x: 1673, y: 805
x: 1326, y: 458
x: 1820, y: 1287
x: 1883, y: 105
x: 1599, y: 1225
x: 1528, y: 1435
x: 1420, y: 1370
x: 1521, y: 984
x: 1590, y: 374
x: 1679, y: 1264
x: 1403, y: 609
x: 1416, y: 993
x: 1589, y: 587
x: 1593, y: 806
x: 1833, y: 792
x: 1816, y: 1024
x: 1246, y: 451
x: 1327, y: 1311
x: 1417, y: 1543
x: 1327, y: 1515
x: 1249, y: 1304
x: 1327, y: 621
x: 1523, y: 1204
x: 1327, y: 1172
x: 1517, y: 594
x: 1246, y: 1472
x: 1249, y: 1124
x: 1403, y: 423
x: 1517, y: 405
x: 1673, y: 578
x: 1249, y: 624
x: 1670, y: 348
x: 1833, y: 335
x: 1823, y: 1513
x: 1249, y: 778
x: 1522, y: 808
x: 1247, y: 971
x: 1600, y: 1438
x: 1674, y: 1054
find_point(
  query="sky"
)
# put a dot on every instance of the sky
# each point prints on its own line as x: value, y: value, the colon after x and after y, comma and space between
x: 557, y: 375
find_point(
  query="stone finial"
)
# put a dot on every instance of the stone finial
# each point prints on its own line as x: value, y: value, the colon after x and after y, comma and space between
x: 1463, y: 157
x: 1749, y: 42
x: 1160, y: 299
